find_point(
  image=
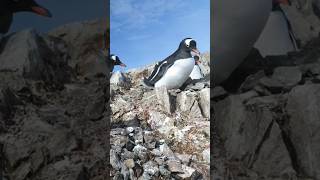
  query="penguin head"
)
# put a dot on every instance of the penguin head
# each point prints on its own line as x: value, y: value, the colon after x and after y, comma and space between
x: 197, y: 59
x: 116, y: 60
x: 190, y: 45
x: 31, y: 6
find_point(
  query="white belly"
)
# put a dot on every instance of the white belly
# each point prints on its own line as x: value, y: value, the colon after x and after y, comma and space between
x: 275, y: 38
x: 177, y: 74
x: 237, y: 24
x: 196, y: 73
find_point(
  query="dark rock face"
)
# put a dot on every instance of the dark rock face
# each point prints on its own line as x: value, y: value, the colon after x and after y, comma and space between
x: 53, y: 124
x: 266, y: 113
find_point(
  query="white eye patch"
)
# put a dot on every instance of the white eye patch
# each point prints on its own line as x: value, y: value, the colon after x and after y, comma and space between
x: 113, y: 58
x: 187, y: 41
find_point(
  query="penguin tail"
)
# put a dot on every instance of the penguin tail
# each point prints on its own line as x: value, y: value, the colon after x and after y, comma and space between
x: 146, y: 83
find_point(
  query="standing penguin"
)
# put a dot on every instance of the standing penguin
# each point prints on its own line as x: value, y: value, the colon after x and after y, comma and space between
x: 173, y: 71
x: 277, y: 37
x: 9, y: 7
x: 196, y: 72
x: 113, y: 61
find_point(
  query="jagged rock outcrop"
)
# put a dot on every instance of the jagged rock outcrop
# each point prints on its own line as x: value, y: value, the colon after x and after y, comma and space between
x: 53, y: 121
x: 160, y: 133
x: 266, y: 123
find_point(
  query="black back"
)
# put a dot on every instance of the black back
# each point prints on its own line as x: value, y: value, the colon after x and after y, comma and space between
x: 161, y: 67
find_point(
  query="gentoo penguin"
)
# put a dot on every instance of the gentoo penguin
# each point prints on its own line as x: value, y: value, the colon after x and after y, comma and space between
x: 277, y: 37
x: 173, y: 71
x: 9, y: 7
x: 196, y: 72
x: 113, y: 61
x: 237, y: 25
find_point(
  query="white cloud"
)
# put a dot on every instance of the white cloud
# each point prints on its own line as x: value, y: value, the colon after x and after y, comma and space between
x: 140, y: 13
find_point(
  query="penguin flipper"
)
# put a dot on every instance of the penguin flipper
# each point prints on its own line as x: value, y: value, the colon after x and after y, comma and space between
x: 159, y: 70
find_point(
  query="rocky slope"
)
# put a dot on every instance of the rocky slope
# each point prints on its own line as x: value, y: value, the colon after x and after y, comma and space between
x: 159, y: 134
x: 55, y: 111
x: 53, y: 114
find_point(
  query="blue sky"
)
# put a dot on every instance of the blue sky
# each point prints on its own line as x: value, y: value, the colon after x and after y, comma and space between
x: 63, y: 12
x: 145, y: 31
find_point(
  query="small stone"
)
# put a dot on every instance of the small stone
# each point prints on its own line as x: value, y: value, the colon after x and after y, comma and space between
x: 206, y: 155
x: 159, y: 160
x: 151, y: 168
x: 184, y: 158
x: 164, y: 171
x: 187, y: 172
x: 129, y: 130
x: 174, y: 166
x: 129, y: 163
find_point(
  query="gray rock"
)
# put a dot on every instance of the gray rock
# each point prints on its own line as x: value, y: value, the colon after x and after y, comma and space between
x: 174, y: 166
x: 205, y: 102
x: 188, y: 172
x: 164, y: 99
x: 151, y: 168
x: 206, y: 155
x: 218, y: 92
x: 114, y: 160
x: 288, y: 76
x: 164, y: 171
x: 129, y: 163
x: 83, y: 44
x: 303, y: 108
x: 22, y: 171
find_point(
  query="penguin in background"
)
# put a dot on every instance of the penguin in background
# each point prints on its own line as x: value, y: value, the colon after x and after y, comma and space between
x: 114, y: 61
x: 9, y: 7
x: 277, y: 37
x: 196, y: 72
x: 173, y: 71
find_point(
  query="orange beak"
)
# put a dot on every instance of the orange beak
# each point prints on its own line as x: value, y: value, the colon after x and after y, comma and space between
x: 41, y: 11
x: 196, y: 51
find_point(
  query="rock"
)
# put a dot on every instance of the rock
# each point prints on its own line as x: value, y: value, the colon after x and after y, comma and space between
x: 22, y: 171
x: 303, y: 108
x: 164, y: 171
x: 251, y: 81
x: 140, y: 152
x: 151, y: 168
x: 119, y: 79
x: 164, y: 98
x: 35, y: 59
x: 205, y: 102
x: 174, y: 166
x: 188, y: 172
x: 273, y: 85
x: 245, y: 127
x: 288, y: 76
x: 303, y: 21
x: 218, y: 92
x: 129, y: 163
x: 114, y: 160
x: 96, y: 107
x: 81, y: 39
x: 184, y: 158
x: 206, y: 155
